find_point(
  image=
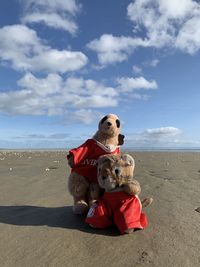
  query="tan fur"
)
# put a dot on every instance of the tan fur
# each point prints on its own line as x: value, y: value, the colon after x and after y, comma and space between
x: 108, y: 135
x: 84, y: 193
x: 115, y: 173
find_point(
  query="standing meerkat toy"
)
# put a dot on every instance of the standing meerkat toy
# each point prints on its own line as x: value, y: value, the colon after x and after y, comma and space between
x: 82, y: 182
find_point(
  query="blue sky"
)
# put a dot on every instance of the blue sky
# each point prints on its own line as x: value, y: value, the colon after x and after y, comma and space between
x: 65, y: 64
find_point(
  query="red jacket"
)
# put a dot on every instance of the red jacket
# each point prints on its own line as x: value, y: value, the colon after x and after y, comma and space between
x: 86, y: 156
x: 119, y: 208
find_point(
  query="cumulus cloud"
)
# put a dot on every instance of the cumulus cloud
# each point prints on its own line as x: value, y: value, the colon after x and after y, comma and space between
x: 168, y: 23
x: 163, y: 132
x: 85, y: 116
x: 127, y: 84
x: 162, y: 23
x: 111, y: 49
x: 188, y: 39
x: 54, y: 95
x: 76, y: 98
x: 59, y: 14
x: 156, y: 137
x: 21, y: 48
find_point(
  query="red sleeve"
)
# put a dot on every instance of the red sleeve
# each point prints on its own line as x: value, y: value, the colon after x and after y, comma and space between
x: 81, y: 152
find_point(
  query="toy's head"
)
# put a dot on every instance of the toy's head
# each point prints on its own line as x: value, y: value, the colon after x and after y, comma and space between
x: 110, y: 125
x: 114, y: 171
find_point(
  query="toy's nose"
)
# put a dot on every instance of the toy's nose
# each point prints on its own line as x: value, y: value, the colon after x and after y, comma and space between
x: 109, y: 123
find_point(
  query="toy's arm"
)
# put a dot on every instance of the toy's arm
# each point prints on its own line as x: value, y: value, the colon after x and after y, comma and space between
x: 78, y: 154
x: 132, y: 188
x: 70, y: 159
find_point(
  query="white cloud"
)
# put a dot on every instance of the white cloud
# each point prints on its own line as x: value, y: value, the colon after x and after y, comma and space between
x: 41, y: 87
x: 171, y: 24
x: 76, y: 97
x: 152, y: 63
x: 156, y: 137
x: 24, y: 50
x: 163, y: 132
x: 112, y: 49
x: 57, y: 136
x: 59, y: 14
x: 54, y: 95
x: 137, y: 69
x: 167, y: 21
x: 127, y: 84
x: 52, y: 5
x: 188, y: 38
x: 95, y: 101
x: 85, y: 116
x: 52, y: 20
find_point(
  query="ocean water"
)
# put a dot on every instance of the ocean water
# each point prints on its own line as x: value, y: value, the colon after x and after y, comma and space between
x: 161, y: 149
x: 123, y: 149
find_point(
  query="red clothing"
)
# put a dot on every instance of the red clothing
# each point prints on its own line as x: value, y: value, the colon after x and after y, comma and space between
x: 118, y: 208
x: 86, y: 156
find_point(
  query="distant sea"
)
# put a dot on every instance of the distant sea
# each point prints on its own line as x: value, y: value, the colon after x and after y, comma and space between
x: 139, y: 149
x: 161, y: 149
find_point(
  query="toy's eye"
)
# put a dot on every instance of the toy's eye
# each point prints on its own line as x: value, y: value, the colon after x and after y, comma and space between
x: 104, y: 119
x: 118, y: 123
x: 103, y: 177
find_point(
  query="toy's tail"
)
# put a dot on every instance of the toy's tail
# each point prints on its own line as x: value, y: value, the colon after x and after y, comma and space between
x: 146, y: 202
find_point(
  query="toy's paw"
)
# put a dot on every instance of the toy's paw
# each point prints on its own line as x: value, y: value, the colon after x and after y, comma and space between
x: 129, y: 231
x: 132, y: 188
x: 147, y: 201
x: 70, y: 159
x: 80, y: 208
x: 92, y: 202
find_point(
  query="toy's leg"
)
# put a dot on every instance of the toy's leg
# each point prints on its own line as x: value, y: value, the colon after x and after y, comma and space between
x: 146, y: 202
x: 80, y: 206
x: 93, y: 193
x: 99, y: 216
x: 129, y: 216
x: 129, y: 231
x: 78, y: 187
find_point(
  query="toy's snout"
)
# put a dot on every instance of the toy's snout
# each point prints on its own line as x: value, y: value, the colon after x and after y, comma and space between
x: 118, y: 176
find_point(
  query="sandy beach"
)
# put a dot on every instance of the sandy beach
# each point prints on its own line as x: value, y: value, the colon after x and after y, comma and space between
x: 38, y: 228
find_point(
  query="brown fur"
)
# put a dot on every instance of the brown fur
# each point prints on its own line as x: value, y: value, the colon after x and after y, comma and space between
x: 115, y: 173
x: 84, y: 193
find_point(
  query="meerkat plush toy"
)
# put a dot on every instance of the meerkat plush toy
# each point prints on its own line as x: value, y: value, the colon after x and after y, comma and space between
x: 120, y: 204
x: 82, y: 182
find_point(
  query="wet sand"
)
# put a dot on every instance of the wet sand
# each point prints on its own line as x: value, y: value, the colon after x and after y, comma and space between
x: 37, y: 227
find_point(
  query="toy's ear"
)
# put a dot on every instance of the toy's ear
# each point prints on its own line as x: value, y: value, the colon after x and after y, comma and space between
x: 103, y: 159
x: 128, y: 159
x: 120, y: 139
